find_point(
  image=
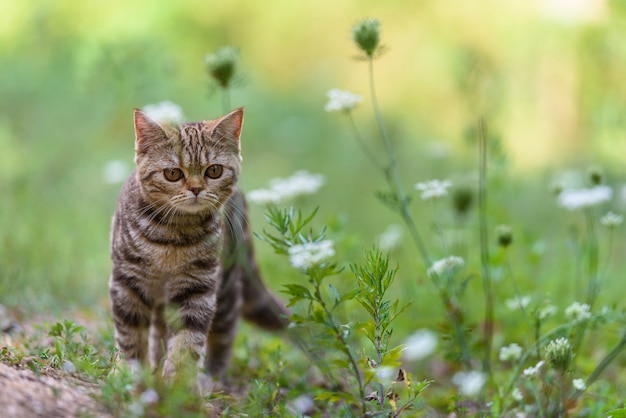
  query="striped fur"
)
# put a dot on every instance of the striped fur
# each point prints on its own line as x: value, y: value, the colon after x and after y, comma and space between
x: 183, y: 265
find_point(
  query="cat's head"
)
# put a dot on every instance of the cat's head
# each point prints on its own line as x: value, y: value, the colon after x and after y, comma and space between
x: 189, y: 168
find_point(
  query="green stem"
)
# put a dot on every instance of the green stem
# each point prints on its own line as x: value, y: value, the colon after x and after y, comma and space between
x: 225, y: 100
x: 484, y: 245
x: 347, y: 349
x: 392, y: 174
x: 606, y: 361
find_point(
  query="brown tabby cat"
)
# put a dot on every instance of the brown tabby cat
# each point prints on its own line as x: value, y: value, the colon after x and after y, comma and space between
x: 180, y: 242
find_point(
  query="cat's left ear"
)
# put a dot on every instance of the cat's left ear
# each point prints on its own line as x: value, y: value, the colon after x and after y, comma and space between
x: 229, y: 126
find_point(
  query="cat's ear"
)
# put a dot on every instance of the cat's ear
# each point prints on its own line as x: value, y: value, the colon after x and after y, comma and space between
x: 229, y: 126
x: 147, y: 132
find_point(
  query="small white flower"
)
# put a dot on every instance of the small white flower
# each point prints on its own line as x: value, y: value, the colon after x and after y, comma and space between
x: 582, y: 198
x: 518, y: 302
x: 579, y: 384
x: 469, y: 383
x: 341, y: 101
x: 115, y: 171
x: 300, y: 183
x: 511, y: 352
x: 517, y: 395
x: 264, y: 196
x: 578, y: 312
x: 433, y: 189
x: 149, y: 396
x: 385, y: 374
x: 533, y: 371
x: 420, y: 344
x: 546, y: 312
x: 305, y: 256
x: 390, y: 238
x: 445, y: 265
x: 611, y: 220
x: 165, y: 111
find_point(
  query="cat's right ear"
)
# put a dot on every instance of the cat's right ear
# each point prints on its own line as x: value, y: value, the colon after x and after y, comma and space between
x: 147, y: 132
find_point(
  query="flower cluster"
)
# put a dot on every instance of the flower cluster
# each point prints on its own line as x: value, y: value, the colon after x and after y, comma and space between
x: 579, y: 384
x: 310, y: 254
x: 583, y: 198
x: 433, y: 189
x: 115, y: 171
x: 578, y: 312
x: 300, y: 183
x: 469, y: 383
x: 559, y: 353
x: 518, y: 302
x: 165, y: 112
x: 420, y: 344
x: 611, y: 220
x: 445, y: 265
x: 534, y: 370
x: 341, y: 101
x: 391, y: 237
x: 545, y: 312
x: 510, y: 353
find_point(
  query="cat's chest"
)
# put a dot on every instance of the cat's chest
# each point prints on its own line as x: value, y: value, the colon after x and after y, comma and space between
x: 165, y: 261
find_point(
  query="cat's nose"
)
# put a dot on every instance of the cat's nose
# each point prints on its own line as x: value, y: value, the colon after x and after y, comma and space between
x: 196, y: 190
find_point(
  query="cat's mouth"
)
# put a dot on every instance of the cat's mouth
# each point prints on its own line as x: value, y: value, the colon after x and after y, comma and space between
x: 194, y: 204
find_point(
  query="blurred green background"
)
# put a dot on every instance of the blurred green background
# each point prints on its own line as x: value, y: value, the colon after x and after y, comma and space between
x: 547, y: 75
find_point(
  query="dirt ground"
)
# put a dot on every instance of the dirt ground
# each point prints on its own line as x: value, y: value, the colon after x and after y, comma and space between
x: 24, y: 394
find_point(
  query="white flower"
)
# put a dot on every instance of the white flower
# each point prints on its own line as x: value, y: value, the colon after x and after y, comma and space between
x: 546, y: 312
x: 391, y: 237
x: 578, y: 311
x: 611, y: 220
x: 165, y: 111
x: 304, y: 256
x: 149, y: 396
x: 115, y: 171
x: 420, y: 344
x: 300, y: 183
x: 264, y: 196
x: 533, y: 371
x: 341, y: 101
x: 582, y: 198
x: 385, y: 374
x: 579, y: 384
x: 433, y: 189
x: 445, y: 265
x: 518, y: 302
x: 517, y: 395
x: 469, y: 383
x: 512, y: 352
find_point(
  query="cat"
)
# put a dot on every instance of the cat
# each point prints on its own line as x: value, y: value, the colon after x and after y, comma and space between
x: 180, y: 244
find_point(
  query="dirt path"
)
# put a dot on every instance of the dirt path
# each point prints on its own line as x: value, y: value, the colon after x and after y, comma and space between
x: 25, y: 394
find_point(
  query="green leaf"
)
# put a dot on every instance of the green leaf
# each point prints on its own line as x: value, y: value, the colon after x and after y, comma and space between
x: 336, y: 396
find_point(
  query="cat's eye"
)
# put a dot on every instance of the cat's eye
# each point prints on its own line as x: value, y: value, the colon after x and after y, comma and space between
x: 214, y: 171
x: 173, y: 174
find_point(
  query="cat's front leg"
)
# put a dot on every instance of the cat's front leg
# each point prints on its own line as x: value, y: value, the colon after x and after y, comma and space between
x: 195, y: 302
x: 131, y: 314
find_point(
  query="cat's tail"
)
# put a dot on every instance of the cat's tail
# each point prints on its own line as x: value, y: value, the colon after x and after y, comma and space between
x: 260, y: 305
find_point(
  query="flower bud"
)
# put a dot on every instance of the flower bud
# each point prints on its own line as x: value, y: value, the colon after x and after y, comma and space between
x: 222, y: 64
x: 504, y: 235
x: 596, y: 175
x: 366, y: 34
x: 559, y: 354
x: 462, y: 199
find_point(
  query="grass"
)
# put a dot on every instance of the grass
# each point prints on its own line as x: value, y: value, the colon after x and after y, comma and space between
x: 66, y: 111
